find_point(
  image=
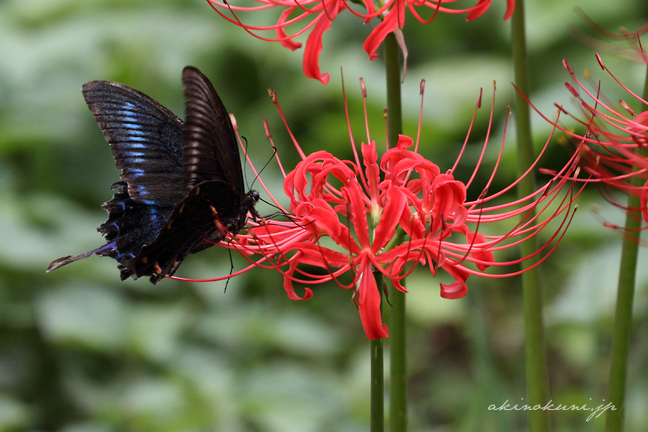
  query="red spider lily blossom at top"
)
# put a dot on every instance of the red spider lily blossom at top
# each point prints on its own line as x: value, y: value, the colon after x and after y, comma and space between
x: 391, y: 213
x: 614, y: 142
x: 316, y: 16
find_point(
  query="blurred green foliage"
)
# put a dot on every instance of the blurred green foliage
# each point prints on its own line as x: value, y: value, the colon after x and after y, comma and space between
x: 81, y: 351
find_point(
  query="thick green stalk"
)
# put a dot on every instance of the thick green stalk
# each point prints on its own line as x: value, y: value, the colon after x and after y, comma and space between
x: 623, y: 314
x: 377, y: 369
x: 623, y: 320
x: 398, y: 374
x: 537, y: 391
x: 377, y: 377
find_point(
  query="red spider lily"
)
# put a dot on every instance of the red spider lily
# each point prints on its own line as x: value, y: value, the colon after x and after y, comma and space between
x: 391, y: 213
x: 316, y: 17
x: 613, y: 144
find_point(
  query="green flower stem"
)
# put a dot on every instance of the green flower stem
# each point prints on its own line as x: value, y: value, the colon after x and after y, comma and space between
x: 398, y: 375
x: 377, y: 376
x: 377, y: 404
x: 537, y: 391
x: 623, y: 314
x: 623, y: 320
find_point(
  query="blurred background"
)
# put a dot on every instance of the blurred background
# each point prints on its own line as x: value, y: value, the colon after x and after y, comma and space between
x: 82, y: 351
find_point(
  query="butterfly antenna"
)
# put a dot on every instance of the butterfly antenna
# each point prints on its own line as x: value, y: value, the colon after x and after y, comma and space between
x: 279, y: 212
x: 245, y: 165
x: 274, y: 155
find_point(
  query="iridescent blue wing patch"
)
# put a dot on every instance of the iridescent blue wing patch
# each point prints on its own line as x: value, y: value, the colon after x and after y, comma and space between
x: 145, y: 139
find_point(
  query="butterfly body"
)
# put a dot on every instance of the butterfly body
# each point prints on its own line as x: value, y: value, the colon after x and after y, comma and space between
x: 181, y: 188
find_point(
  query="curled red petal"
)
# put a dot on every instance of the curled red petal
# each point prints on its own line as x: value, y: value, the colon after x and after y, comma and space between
x: 394, y: 19
x: 284, y: 40
x: 404, y: 142
x: 457, y: 289
x: 315, y: 255
x: 394, y: 205
x: 288, y: 284
x: 369, y: 304
x: 449, y: 197
x: 324, y: 218
x: 479, y: 9
x: 314, y: 43
x: 510, y: 8
x: 477, y: 252
x: 358, y: 213
x: 372, y: 170
x: 369, y: 5
x: 398, y: 267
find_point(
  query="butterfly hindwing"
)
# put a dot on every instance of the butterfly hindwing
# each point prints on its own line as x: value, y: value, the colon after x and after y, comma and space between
x: 130, y: 226
x: 199, y: 221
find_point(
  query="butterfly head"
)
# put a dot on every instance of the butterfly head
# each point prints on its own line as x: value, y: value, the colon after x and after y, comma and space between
x: 251, y: 198
x: 254, y: 195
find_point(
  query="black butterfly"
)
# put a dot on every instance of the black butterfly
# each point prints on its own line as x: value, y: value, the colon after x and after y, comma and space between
x: 182, y: 183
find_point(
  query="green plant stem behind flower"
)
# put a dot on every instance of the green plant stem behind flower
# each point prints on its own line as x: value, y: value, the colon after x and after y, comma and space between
x: 377, y: 376
x: 623, y: 314
x: 377, y: 400
x: 398, y: 374
x: 537, y: 392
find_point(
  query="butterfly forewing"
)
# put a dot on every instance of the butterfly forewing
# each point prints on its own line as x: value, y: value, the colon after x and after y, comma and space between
x: 210, y: 147
x: 145, y: 139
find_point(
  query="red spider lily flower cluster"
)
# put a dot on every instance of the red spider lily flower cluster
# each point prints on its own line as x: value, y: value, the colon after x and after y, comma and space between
x: 316, y: 16
x: 389, y: 214
x: 614, y: 142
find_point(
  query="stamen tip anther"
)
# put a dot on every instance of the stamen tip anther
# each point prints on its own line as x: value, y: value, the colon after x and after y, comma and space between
x: 627, y: 107
x: 566, y: 65
x: 273, y: 95
x: 571, y: 89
